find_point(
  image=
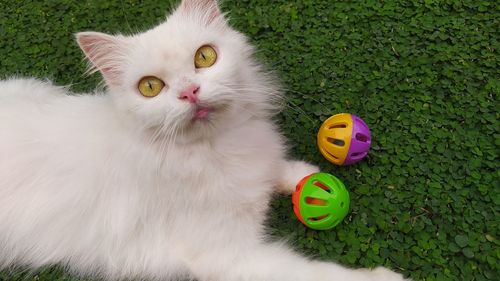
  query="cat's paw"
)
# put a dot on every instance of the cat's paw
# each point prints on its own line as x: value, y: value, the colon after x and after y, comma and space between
x: 384, y: 274
x: 292, y: 173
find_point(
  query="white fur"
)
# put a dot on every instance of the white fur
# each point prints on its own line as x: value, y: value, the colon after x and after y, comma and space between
x: 121, y: 186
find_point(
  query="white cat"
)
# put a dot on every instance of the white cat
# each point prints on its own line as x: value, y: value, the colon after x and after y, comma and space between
x: 166, y: 176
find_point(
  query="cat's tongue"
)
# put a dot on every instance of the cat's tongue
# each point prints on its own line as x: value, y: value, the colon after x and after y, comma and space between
x: 201, y: 113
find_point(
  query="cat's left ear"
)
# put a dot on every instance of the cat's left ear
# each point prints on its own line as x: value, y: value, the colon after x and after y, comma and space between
x: 107, y: 53
x: 207, y: 10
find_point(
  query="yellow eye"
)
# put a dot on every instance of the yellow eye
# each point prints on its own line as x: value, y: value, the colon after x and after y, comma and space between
x: 206, y: 56
x: 150, y: 86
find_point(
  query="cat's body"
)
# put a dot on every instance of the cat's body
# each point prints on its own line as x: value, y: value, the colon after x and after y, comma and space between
x: 164, y: 188
x: 79, y: 190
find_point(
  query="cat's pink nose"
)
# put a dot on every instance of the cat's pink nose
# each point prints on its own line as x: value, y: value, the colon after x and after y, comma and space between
x: 190, y: 94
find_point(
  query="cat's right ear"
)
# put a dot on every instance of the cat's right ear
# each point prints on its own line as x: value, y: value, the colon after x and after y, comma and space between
x: 107, y: 54
x: 207, y: 10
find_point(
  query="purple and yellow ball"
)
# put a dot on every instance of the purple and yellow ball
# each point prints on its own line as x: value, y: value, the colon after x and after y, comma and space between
x: 344, y: 139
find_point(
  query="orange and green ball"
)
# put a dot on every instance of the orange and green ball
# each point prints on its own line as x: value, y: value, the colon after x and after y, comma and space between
x: 320, y: 201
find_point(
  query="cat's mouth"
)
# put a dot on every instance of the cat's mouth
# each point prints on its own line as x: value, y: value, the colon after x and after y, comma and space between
x: 202, y: 112
x: 206, y: 112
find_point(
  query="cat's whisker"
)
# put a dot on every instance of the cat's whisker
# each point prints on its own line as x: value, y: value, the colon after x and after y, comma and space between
x: 167, y: 141
x: 282, y: 101
x: 251, y: 87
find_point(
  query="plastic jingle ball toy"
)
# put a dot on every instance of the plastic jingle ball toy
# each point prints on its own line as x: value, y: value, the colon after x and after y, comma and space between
x: 320, y: 201
x: 344, y: 139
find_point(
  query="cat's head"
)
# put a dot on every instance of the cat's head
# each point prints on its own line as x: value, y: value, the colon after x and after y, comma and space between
x: 193, y: 73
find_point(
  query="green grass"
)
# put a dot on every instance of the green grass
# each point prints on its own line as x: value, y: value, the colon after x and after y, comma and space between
x: 423, y: 74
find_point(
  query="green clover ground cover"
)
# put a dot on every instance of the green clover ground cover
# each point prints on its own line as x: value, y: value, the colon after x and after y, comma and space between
x: 423, y: 74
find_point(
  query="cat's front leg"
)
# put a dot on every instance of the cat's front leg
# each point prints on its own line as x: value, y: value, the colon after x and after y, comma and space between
x: 291, y: 172
x: 274, y: 262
